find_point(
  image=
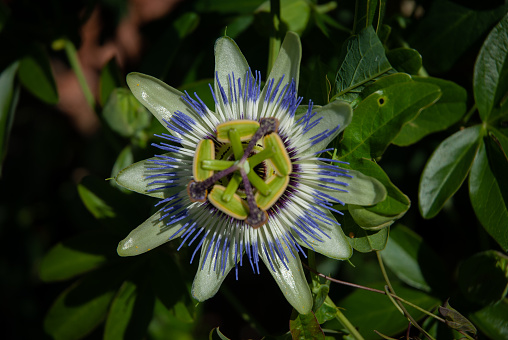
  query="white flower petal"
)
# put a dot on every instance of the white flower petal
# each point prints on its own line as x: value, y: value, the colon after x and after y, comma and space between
x: 147, y: 236
x: 159, y: 98
x: 134, y: 178
x: 291, y: 279
x: 228, y: 59
x: 336, y: 113
x: 287, y: 63
x: 336, y: 245
x: 213, y: 270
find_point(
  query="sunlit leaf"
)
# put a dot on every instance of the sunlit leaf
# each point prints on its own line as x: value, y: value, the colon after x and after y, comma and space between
x: 305, y: 327
x: 446, y: 169
x: 405, y: 59
x: 492, y: 320
x: 491, y: 71
x: 369, y: 311
x: 487, y: 198
x: 362, y: 60
x: 450, y: 107
x: 413, y: 261
x: 378, y: 118
x: 78, y: 255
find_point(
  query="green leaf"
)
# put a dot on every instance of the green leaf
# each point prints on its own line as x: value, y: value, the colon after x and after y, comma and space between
x: 384, y: 213
x: 167, y: 280
x: 491, y: 71
x: 378, y: 118
x: 446, y: 169
x: 448, y: 110
x: 492, y: 320
x: 448, y: 30
x: 9, y: 95
x: 124, y: 159
x: 216, y: 334
x: 412, y: 260
x: 405, y: 59
x: 325, y: 312
x: 365, y: 14
x: 78, y: 255
x: 455, y: 320
x: 160, y: 58
x: 483, y: 278
x: 99, y: 208
x: 36, y: 76
x: 363, y: 240
x: 125, y: 114
x: 369, y: 311
x: 83, y: 306
x: 487, y: 198
x: 305, y: 327
x: 110, y: 79
x: 130, y: 312
x: 362, y: 60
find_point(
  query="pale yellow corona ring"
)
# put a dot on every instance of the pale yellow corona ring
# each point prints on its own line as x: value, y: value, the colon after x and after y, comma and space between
x: 205, y: 151
x: 280, y: 159
x: 277, y: 185
x: 235, y: 207
x: 245, y: 128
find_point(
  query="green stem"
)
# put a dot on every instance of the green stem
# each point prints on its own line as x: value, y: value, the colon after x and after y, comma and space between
x: 72, y: 55
x: 469, y: 113
x: 344, y: 321
x: 274, y: 44
x: 398, y: 303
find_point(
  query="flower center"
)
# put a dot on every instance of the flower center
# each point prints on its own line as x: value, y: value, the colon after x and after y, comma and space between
x: 251, y: 201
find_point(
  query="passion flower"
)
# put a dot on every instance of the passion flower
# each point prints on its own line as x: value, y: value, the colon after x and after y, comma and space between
x: 250, y: 177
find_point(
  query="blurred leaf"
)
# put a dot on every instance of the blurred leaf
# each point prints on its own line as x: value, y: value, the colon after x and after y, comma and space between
x: 492, y: 320
x: 9, y: 95
x: 455, y: 320
x: 125, y: 114
x: 369, y: 311
x: 110, y: 79
x: 325, y: 312
x: 363, y: 240
x: 4, y: 15
x: 130, y: 312
x: 450, y: 107
x: 362, y: 60
x: 36, y: 76
x: 166, y: 279
x: 413, y: 261
x: 78, y: 255
x: 95, y: 204
x: 384, y: 213
x: 295, y: 14
x: 124, y: 159
x: 215, y: 334
x: 446, y: 169
x: 305, y: 327
x: 378, y: 118
x: 166, y: 325
x: 322, y: 20
x: 405, y: 59
x: 83, y: 306
x: 448, y: 30
x: 491, y: 71
x: 319, y: 291
x: 366, y: 12
x: 487, y: 198
x: 238, y: 25
x: 161, y: 55
x: 483, y: 278
x: 227, y: 6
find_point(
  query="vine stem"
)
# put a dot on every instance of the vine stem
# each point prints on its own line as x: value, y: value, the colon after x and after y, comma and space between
x: 72, y: 55
x: 398, y: 303
x: 354, y: 285
x: 274, y: 43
